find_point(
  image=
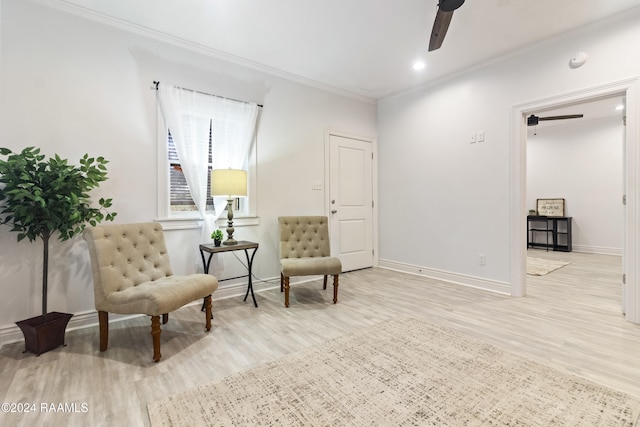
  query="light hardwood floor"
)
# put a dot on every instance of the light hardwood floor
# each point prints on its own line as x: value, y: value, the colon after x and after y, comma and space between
x: 571, y: 320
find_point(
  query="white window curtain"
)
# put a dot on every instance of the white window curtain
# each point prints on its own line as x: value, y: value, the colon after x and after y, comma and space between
x: 187, y: 115
x: 233, y: 128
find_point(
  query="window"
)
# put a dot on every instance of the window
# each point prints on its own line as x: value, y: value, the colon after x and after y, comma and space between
x: 198, y: 133
x: 180, y: 199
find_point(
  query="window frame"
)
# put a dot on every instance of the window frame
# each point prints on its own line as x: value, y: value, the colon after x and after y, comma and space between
x: 192, y: 219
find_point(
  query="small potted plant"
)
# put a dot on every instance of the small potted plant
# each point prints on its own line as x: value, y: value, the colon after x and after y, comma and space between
x: 40, y: 199
x: 217, y: 237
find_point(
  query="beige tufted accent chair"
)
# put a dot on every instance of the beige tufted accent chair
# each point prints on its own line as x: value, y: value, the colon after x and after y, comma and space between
x: 132, y: 275
x: 305, y: 251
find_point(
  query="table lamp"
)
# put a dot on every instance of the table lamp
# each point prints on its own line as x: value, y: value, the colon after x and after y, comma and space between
x: 231, y: 183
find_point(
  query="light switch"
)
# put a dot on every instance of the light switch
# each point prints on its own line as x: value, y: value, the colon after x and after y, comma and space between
x: 317, y: 185
x: 472, y: 138
x: 480, y: 136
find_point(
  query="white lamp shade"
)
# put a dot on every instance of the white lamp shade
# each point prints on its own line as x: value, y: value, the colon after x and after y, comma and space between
x: 228, y: 182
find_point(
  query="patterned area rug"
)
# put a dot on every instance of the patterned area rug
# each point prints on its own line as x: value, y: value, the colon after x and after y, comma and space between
x: 540, y: 266
x: 401, y: 372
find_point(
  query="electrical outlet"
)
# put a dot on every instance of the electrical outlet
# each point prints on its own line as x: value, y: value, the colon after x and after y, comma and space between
x: 482, y: 258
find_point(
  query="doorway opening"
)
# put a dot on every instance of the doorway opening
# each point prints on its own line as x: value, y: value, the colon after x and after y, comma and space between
x: 518, y: 210
x: 577, y: 162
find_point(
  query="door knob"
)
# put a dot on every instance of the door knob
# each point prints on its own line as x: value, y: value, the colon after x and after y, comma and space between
x: 334, y: 211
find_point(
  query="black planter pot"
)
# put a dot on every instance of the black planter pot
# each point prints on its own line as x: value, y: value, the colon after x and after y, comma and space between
x: 44, y: 333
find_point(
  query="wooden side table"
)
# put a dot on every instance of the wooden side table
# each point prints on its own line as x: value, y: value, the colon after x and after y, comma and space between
x: 242, y: 245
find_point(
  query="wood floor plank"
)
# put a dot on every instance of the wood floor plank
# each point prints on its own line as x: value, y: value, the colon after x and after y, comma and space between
x: 570, y: 319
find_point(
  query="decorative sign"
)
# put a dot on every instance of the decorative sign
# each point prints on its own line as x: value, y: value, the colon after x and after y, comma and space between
x: 550, y: 207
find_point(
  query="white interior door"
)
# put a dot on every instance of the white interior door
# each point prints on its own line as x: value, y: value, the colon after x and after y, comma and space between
x: 351, y: 201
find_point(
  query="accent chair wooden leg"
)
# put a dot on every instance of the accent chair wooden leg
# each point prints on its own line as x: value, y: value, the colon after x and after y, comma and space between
x: 286, y: 292
x: 335, y: 288
x: 155, y: 334
x: 103, y: 321
x: 207, y: 311
x: 165, y: 318
x: 281, y: 282
x: 324, y: 283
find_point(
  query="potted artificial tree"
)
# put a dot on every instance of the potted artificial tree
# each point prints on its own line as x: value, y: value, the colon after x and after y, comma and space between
x: 41, y: 198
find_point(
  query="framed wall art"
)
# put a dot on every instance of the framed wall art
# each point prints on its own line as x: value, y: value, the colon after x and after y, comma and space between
x: 550, y: 207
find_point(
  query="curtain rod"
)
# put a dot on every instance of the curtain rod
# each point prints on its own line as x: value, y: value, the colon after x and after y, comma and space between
x: 209, y: 94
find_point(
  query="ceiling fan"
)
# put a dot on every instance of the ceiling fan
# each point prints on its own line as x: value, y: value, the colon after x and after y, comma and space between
x: 533, y: 120
x: 441, y: 24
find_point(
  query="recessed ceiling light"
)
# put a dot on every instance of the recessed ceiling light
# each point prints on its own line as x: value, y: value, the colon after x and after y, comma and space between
x: 418, y: 65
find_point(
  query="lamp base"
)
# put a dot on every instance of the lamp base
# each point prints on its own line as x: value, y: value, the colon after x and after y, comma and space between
x: 230, y: 240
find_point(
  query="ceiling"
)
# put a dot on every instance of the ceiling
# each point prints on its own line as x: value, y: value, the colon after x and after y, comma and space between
x: 362, y: 47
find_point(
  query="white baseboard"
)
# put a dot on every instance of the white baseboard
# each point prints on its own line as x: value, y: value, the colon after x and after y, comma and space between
x: 597, y: 250
x: 445, y: 276
x: 11, y: 333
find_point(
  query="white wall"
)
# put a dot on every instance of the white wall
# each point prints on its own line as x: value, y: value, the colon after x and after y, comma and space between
x: 71, y: 85
x: 455, y: 196
x: 581, y: 162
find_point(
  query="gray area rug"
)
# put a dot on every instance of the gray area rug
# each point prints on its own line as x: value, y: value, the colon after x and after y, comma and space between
x: 540, y: 266
x: 401, y: 372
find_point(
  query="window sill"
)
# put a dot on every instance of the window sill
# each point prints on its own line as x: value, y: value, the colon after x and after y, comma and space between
x: 179, y: 223
x: 239, y: 221
x: 194, y: 223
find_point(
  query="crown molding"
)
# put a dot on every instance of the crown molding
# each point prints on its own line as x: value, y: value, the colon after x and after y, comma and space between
x: 609, y: 22
x: 87, y: 13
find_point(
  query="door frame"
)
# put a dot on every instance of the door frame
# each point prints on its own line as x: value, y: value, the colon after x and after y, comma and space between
x: 630, y: 89
x: 374, y: 172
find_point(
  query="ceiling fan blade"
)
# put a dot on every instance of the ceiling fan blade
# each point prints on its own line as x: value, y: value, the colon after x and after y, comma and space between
x: 566, y: 116
x: 450, y: 5
x: 533, y: 120
x: 440, y: 27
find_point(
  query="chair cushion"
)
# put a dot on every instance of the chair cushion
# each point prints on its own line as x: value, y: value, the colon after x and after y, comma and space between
x: 160, y: 296
x: 310, y: 266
